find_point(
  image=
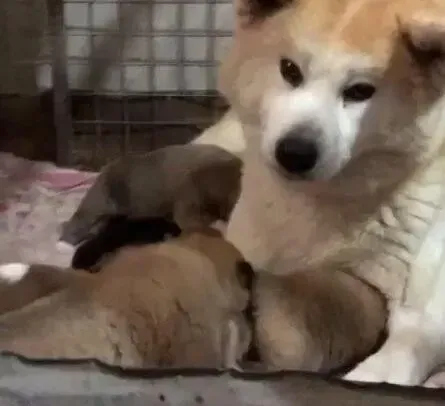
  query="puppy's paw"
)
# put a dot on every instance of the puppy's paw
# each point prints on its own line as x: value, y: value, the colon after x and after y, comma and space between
x: 13, y: 272
x: 65, y: 247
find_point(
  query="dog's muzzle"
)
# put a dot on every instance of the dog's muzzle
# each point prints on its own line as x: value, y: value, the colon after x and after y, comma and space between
x: 297, y: 151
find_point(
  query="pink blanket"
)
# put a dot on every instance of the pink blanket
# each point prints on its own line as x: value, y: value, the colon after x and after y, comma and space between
x: 35, y: 198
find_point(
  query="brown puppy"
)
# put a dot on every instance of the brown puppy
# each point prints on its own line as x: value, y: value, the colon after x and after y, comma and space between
x: 177, y: 303
x: 194, y: 185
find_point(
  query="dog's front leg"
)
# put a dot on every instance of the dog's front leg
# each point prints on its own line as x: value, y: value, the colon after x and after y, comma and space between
x: 414, y: 347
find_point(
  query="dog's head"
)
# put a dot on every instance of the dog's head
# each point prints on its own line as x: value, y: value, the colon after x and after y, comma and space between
x: 323, y: 82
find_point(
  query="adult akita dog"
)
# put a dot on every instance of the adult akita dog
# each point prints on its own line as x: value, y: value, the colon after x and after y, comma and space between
x: 342, y: 104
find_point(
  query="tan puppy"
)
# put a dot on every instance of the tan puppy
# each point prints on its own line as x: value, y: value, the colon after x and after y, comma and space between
x: 316, y: 320
x: 178, y: 303
x: 342, y: 107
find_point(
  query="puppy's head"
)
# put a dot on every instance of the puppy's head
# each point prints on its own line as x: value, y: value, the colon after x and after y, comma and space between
x: 234, y: 274
x: 219, y: 186
x: 210, y: 192
x: 322, y: 83
x: 80, y: 227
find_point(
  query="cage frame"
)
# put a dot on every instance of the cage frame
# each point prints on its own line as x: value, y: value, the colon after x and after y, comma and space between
x: 207, y: 104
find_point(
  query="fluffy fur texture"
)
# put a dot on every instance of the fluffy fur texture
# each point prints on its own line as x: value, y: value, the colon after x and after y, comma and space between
x: 316, y: 320
x: 373, y: 204
x: 118, y: 232
x: 195, y: 185
x: 178, y: 303
x: 227, y: 133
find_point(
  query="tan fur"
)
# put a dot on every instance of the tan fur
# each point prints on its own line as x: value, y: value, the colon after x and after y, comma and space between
x: 168, y: 304
x: 317, y: 320
x: 362, y: 221
x: 42, y: 281
x: 336, y: 216
x: 208, y: 196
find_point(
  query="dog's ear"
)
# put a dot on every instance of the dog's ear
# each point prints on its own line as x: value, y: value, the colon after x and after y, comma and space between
x: 424, y: 38
x: 249, y: 11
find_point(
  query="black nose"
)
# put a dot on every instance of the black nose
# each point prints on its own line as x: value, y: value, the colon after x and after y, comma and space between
x: 296, y: 154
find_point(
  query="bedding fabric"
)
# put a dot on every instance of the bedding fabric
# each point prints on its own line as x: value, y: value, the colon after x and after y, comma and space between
x: 35, y: 198
x: 75, y: 383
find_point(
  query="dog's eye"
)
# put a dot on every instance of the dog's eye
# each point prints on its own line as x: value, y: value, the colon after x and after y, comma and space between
x: 358, y: 93
x: 291, y: 72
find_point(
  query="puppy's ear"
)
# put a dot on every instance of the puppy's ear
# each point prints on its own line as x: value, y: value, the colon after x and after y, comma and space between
x: 424, y: 38
x: 249, y: 11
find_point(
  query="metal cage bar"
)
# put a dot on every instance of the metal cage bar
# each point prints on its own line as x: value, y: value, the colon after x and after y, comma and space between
x: 141, y: 72
x: 62, y: 115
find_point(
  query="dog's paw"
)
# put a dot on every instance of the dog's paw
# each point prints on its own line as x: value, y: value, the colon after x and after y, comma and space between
x: 436, y: 380
x: 13, y: 272
x: 398, y: 367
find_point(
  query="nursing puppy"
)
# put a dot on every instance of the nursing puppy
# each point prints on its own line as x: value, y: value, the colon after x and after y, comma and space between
x: 317, y: 320
x: 342, y: 106
x: 194, y: 185
x: 118, y: 232
x: 177, y: 303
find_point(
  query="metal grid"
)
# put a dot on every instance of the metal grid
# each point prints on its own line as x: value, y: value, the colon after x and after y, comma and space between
x: 141, y: 74
x: 26, y: 121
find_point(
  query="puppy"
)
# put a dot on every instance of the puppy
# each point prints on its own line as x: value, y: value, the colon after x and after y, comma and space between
x: 316, y: 320
x: 120, y: 231
x: 176, y: 303
x: 195, y: 185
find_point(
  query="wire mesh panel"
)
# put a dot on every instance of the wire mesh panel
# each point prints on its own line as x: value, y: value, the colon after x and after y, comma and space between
x: 142, y: 73
x: 26, y: 122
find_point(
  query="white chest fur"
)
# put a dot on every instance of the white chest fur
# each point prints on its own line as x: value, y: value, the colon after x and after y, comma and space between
x: 413, y: 234
x: 409, y: 238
